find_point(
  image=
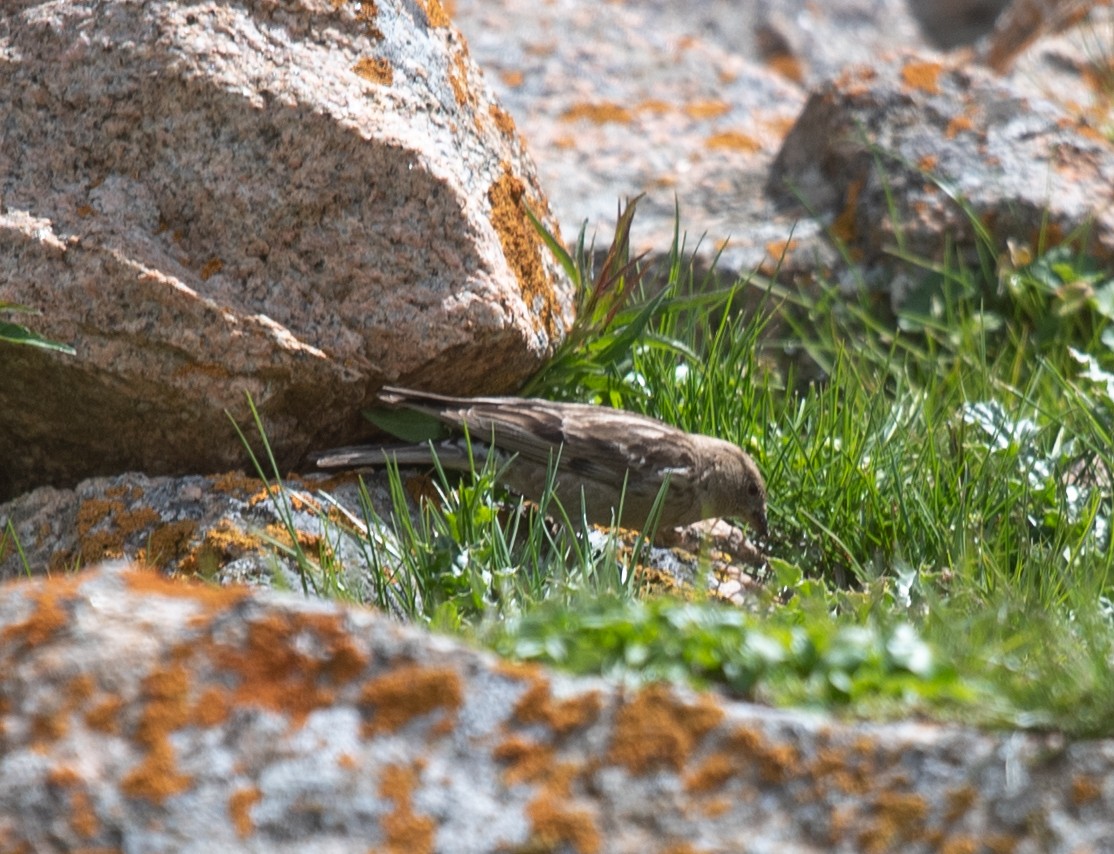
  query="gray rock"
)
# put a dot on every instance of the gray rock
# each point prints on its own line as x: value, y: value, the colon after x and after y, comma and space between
x: 146, y: 715
x: 296, y: 201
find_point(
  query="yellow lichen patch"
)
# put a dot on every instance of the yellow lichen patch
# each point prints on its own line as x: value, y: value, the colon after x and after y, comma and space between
x: 406, y: 832
x: 538, y: 706
x: 236, y: 483
x: 656, y: 729
x: 527, y: 760
x: 375, y: 70
x: 410, y: 691
x: 923, y: 76
x: 291, y: 663
x: 733, y: 140
x: 169, y: 542
x: 240, y: 803
x: 222, y: 543
x: 522, y: 246
x: 556, y: 824
x: 600, y: 112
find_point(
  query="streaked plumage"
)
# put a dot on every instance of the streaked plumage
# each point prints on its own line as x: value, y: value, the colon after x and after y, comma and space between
x: 599, y: 448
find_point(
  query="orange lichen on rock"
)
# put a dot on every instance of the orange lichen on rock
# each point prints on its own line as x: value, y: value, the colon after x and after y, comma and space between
x: 83, y: 818
x: 711, y: 775
x: 774, y: 763
x: 406, y: 832
x: 165, y: 694
x: 240, y: 803
x: 212, y: 599
x: 848, y: 773
x: 435, y: 13
x: 527, y: 760
x: 538, y: 706
x: 1085, y: 789
x: 210, y: 268
x: 291, y: 663
x: 237, y: 483
x: 105, y: 715
x: 522, y: 246
x: 410, y: 691
x: 958, y: 124
x: 170, y: 541
x: 49, y: 617
x: 733, y: 140
x: 599, y: 113
x: 706, y: 109
x: 374, y: 70
x: 655, y: 729
x: 899, y: 817
x: 222, y: 543
x: 924, y: 76
x: 458, y: 77
x: 843, y: 228
x: 502, y: 119
x: 555, y: 824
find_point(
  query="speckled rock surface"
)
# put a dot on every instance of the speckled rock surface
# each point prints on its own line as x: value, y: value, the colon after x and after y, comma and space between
x: 297, y: 200
x: 919, y: 154
x: 143, y: 715
x: 231, y: 528
x: 688, y: 103
x: 691, y: 102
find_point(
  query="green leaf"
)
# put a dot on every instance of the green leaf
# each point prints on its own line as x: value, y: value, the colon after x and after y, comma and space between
x: 407, y: 425
x: 16, y: 334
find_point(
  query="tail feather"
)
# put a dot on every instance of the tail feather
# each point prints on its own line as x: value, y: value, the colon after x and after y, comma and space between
x: 451, y: 455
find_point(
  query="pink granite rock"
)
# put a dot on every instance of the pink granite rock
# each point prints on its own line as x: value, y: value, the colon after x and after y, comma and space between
x: 294, y: 200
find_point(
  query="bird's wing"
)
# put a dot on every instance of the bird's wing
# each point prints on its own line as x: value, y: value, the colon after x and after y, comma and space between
x: 597, y: 443
x: 451, y: 454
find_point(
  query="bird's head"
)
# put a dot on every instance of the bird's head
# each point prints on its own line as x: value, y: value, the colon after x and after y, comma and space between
x: 736, y: 487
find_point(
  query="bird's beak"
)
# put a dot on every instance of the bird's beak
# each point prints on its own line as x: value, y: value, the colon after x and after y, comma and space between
x: 758, y: 523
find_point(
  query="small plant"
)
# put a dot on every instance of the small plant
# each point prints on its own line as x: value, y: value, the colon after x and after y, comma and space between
x: 14, y: 333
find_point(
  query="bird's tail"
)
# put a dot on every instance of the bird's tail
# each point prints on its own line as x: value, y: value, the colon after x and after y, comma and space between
x: 452, y: 454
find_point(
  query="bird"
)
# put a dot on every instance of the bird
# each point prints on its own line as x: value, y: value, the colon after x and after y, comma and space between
x: 604, y: 458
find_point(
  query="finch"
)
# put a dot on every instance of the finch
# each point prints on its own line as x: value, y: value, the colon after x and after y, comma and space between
x: 598, y: 451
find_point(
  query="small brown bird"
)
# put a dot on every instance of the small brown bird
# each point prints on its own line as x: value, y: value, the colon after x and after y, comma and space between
x: 600, y: 450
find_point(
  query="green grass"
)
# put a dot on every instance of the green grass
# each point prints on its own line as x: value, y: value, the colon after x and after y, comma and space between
x: 940, y: 496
